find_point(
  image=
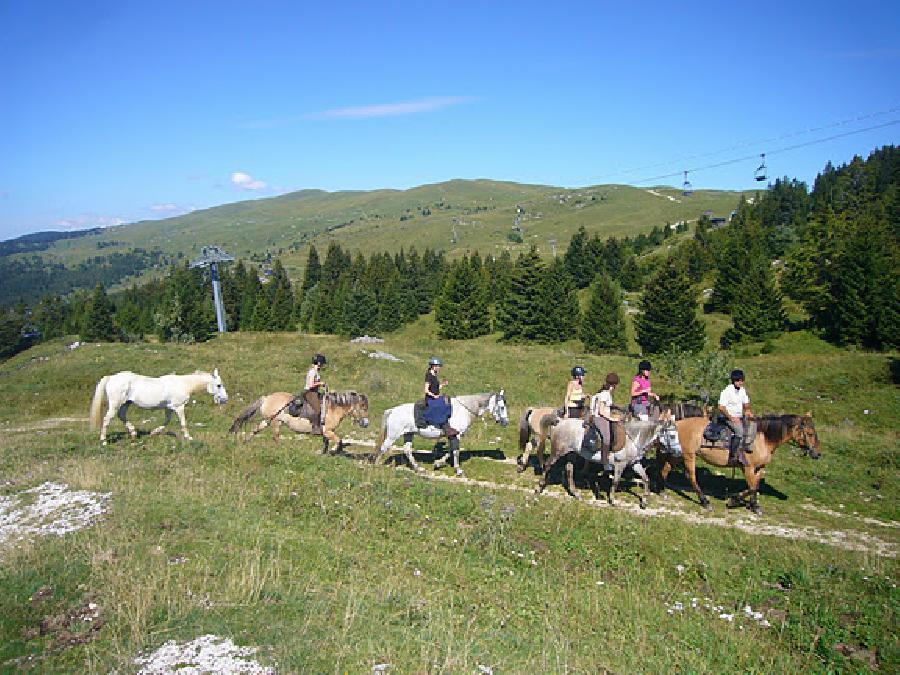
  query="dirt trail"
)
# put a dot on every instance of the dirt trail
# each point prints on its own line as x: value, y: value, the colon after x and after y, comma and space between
x: 49, y: 423
x: 851, y: 540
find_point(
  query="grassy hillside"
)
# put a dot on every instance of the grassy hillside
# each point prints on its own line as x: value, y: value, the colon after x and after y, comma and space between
x: 329, y: 564
x: 465, y: 215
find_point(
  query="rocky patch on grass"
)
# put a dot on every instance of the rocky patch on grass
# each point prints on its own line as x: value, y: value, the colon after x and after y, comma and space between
x: 50, y: 509
x: 206, y: 654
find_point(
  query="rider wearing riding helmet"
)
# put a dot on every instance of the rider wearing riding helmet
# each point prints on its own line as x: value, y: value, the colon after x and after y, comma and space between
x: 311, y: 393
x: 574, y: 405
x: 437, y: 406
x: 641, y: 391
x: 734, y: 404
x: 603, y: 413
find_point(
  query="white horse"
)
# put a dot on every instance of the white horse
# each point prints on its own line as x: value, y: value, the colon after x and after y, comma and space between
x: 399, y: 421
x: 567, y: 436
x: 171, y: 392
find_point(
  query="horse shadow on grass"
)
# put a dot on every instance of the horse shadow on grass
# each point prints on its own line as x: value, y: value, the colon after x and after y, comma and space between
x: 422, y: 456
x: 714, y: 485
x: 588, y: 476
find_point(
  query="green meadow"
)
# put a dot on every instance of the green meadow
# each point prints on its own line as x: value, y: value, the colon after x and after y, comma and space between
x: 327, y: 563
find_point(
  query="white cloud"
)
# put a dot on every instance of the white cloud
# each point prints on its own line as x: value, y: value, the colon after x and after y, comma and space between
x: 392, y: 109
x: 246, y: 182
x: 88, y: 220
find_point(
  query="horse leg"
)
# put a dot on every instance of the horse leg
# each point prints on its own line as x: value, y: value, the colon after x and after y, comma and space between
x: 454, y: 451
x: 690, y: 468
x: 184, y: 428
x: 162, y: 427
x: 107, y: 418
x: 123, y: 409
x: 407, y: 450
x: 329, y: 437
x: 522, y: 459
x: 570, y: 479
x: 618, y: 468
x: 542, y: 441
x: 545, y: 470
x: 276, y: 429
x: 664, y: 466
x: 640, y: 471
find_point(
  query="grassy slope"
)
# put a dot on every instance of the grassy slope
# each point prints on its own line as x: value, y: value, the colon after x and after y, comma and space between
x: 249, y: 227
x: 316, y: 557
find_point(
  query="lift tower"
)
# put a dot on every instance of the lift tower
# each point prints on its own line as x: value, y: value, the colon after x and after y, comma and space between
x: 211, y: 256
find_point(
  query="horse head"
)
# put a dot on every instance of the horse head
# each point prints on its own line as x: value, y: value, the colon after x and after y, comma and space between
x: 351, y: 403
x: 497, y: 408
x: 360, y: 411
x: 216, y: 388
x: 805, y: 436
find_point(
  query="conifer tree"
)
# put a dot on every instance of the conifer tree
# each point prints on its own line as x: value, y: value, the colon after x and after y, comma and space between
x: 577, y: 261
x: 250, y: 293
x: 603, y: 324
x: 97, y: 324
x: 50, y: 317
x: 11, y: 339
x: 313, y: 271
x: 631, y: 276
x: 359, y: 312
x: 561, y: 316
x: 519, y: 311
x: 281, y: 298
x: 462, y: 310
x: 758, y: 309
x: 669, y: 313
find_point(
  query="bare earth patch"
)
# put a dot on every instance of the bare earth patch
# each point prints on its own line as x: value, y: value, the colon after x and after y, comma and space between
x: 49, y: 509
x: 206, y: 654
x: 49, y: 423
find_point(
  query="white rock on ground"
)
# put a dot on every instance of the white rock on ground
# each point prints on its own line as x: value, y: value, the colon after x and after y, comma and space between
x: 206, y: 654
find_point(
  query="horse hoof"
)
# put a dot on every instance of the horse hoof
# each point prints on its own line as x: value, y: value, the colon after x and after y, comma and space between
x: 732, y: 503
x: 756, y: 509
x: 520, y: 468
x: 706, y: 506
x: 459, y: 472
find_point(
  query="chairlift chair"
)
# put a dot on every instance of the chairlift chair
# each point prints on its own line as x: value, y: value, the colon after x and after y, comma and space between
x: 762, y: 170
x: 686, y: 187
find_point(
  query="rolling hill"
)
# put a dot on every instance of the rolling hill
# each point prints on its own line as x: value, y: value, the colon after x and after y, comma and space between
x: 454, y: 216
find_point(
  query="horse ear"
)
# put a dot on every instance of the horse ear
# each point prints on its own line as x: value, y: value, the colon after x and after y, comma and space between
x: 215, y: 372
x: 501, y: 392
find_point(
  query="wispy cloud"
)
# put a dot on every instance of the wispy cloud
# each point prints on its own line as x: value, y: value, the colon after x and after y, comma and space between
x: 87, y: 220
x: 169, y: 209
x: 245, y: 181
x: 422, y: 105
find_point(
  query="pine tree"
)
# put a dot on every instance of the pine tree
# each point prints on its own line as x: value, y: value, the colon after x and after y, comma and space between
x: 11, y: 339
x: 281, y: 299
x: 359, y: 312
x: 669, y: 313
x: 313, y: 271
x: 631, y: 276
x: 97, y: 323
x: 577, y: 262
x: 462, y: 310
x: 603, y: 324
x: 519, y: 311
x: 50, y: 317
x: 561, y: 316
x: 758, y: 309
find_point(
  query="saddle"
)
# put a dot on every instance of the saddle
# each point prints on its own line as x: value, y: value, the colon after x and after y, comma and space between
x: 300, y: 407
x: 719, y: 435
x: 419, y: 409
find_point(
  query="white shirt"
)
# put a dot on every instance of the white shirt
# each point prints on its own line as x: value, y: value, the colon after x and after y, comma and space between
x: 601, y: 403
x: 312, y: 376
x: 734, y: 400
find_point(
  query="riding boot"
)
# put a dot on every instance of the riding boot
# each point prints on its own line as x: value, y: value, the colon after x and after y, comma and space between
x: 316, y: 427
x: 604, y: 456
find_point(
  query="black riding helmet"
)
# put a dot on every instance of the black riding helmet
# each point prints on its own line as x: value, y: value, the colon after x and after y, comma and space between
x: 320, y: 359
x: 736, y: 375
x: 578, y: 370
x: 644, y: 365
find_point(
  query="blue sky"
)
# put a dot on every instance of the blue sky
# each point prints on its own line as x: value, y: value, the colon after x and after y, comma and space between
x: 121, y: 111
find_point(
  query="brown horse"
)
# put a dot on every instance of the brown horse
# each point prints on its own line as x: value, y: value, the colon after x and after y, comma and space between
x: 273, y: 409
x: 772, y: 432
x: 531, y: 430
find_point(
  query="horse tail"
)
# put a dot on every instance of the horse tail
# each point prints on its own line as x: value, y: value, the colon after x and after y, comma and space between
x: 383, y: 434
x: 97, y: 402
x: 245, y: 415
x: 525, y: 428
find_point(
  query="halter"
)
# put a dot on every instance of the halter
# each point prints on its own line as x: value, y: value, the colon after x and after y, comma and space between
x: 475, y: 413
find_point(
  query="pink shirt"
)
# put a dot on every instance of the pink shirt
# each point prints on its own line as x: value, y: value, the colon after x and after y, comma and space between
x: 643, y: 385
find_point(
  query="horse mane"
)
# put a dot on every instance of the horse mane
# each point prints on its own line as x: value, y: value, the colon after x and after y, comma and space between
x: 478, y: 399
x: 776, y: 427
x: 346, y: 399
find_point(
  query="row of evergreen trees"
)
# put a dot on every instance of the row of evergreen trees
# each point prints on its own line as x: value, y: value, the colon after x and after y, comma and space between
x: 833, y: 250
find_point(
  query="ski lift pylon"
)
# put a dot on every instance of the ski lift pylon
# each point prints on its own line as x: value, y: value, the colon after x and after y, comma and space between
x: 686, y: 187
x: 762, y: 170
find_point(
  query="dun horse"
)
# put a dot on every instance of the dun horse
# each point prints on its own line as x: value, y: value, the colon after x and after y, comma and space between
x: 273, y: 409
x: 530, y: 430
x: 772, y: 432
x: 171, y: 392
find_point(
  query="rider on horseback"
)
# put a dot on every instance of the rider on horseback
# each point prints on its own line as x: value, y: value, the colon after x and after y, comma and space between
x: 311, y: 394
x: 641, y: 391
x: 574, y: 405
x: 734, y: 405
x: 437, y: 407
x: 604, y: 415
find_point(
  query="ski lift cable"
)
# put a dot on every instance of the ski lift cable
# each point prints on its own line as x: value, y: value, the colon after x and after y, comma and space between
x: 751, y: 143
x: 776, y: 151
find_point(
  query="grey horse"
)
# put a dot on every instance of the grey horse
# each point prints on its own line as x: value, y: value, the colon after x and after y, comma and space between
x: 567, y: 436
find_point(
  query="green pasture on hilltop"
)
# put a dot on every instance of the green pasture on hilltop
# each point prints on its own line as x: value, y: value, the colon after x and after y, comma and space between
x: 330, y: 564
x: 457, y: 216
